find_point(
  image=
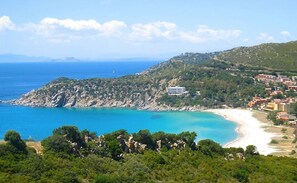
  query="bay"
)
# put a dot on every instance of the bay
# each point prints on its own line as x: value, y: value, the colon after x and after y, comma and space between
x: 38, y: 123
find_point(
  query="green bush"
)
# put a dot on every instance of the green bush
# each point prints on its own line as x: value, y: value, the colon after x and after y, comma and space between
x: 14, y: 138
x: 273, y: 141
x: 101, y: 178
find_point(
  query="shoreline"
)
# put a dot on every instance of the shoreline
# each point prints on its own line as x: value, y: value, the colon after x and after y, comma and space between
x: 251, y: 130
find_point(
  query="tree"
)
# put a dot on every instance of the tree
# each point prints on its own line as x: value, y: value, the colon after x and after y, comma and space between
x: 278, y: 96
x: 14, y: 138
x: 115, y: 134
x: 101, y: 178
x: 86, y: 132
x: 208, y: 147
x: 272, y: 117
x: 114, y: 149
x: 251, y: 150
x: 56, y: 144
x: 188, y: 138
x: 71, y: 133
x: 241, y: 67
x: 145, y: 137
x: 166, y: 138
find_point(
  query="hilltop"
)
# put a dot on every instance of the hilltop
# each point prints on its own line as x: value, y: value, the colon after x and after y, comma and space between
x: 211, y: 79
x: 272, y: 56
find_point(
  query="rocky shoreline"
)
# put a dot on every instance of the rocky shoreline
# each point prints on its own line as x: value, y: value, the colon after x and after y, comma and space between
x: 35, y: 98
x: 149, y: 107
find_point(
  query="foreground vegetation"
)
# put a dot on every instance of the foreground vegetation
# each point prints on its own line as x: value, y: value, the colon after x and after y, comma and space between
x: 70, y: 155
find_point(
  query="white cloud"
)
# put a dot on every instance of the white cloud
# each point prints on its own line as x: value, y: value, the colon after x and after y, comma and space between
x: 191, y: 37
x: 65, y: 30
x: 265, y: 37
x: 70, y: 24
x: 6, y: 23
x: 69, y: 29
x: 217, y: 34
x: 153, y: 30
x: 170, y: 31
x: 113, y: 27
x: 246, y: 40
x: 78, y: 25
x: 205, y: 34
x: 286, y: 35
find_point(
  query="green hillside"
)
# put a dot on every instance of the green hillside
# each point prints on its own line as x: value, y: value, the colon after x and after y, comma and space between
x: 211, y: 79
x: 273, y: 56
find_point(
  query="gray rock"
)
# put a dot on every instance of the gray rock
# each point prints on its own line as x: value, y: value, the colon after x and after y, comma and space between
x: 59, y: 100
x: 240, y: 156
x: 71, y: 102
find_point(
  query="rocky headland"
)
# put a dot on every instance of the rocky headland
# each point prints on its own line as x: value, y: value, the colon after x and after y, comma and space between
x: 213, y: 80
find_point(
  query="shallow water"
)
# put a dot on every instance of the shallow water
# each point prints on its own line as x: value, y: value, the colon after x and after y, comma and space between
x: 38, y: 123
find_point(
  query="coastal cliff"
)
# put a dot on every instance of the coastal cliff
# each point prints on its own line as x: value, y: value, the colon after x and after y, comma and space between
x: 212, y: 80
x: 122, y: 92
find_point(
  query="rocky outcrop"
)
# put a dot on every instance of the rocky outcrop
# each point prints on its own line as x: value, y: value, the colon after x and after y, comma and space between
x: 231, y: 157
x: 133, y: 93
x: 178, y: 144
x: 121, y: 92
x: 159, y: 145
x: 131, y: 146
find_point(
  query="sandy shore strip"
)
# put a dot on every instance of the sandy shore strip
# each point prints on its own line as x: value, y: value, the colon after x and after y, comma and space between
x: 251, y: 130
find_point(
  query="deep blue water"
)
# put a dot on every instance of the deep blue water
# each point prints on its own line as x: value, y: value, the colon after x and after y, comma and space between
x: 38, y: 123
x: 19, y: 78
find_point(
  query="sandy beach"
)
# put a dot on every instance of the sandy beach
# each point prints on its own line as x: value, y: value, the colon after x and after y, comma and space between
x: 251, y: 130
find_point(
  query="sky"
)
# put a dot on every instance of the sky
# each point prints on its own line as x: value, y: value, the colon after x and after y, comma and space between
x: 107, y: 29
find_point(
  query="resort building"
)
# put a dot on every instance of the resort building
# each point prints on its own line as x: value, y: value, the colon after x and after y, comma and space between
x: 284, y: 116
x: 277, y: 106
x: 176, y: 90
x: 284, y: 107
x: 271, y: 106
x: 258, y: 101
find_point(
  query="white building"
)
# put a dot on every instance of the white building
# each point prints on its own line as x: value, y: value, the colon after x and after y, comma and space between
x: 176, y: 90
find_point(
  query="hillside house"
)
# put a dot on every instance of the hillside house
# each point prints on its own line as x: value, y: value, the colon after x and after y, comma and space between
x: 284, y: 116
x: 176, y: 90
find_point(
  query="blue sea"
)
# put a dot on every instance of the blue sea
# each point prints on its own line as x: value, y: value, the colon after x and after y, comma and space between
x: 38, y: 123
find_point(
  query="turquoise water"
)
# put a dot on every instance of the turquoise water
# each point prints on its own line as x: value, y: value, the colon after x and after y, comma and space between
x: 38, y: 123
